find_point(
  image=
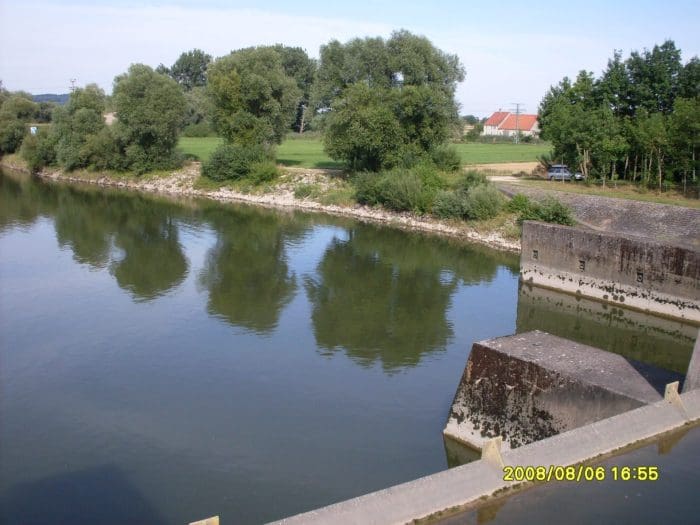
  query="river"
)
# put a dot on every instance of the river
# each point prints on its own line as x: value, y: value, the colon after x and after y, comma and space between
x: 163, y: 361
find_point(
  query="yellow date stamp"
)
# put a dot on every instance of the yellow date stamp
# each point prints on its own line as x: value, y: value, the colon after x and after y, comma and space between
x: 580, y: 473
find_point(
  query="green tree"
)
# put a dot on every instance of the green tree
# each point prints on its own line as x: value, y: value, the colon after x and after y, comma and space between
x: 684, y: 134
x: 74, y: 124
x: 254, y: 100
x: 16, y: 110
x: 190, y: 69
x: 150, y: 108
x: 297, y: 64
x: 397, y: 94
x: 363, y: 130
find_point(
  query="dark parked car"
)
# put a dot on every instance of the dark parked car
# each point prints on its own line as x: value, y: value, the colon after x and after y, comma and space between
x: 561, y: 172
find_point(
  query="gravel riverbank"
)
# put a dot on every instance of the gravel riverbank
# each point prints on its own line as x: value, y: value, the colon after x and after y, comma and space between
x: 182, y: 183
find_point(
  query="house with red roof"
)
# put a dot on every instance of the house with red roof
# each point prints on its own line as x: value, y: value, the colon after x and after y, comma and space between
x: 507, y: 124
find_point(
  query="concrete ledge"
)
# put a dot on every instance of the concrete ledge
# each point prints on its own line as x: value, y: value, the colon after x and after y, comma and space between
x: 468, y: 484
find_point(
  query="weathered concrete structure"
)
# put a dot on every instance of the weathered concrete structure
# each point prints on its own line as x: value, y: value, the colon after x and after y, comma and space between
x: 530, y: 386
x: 636, y: 272
x: 469, y: 484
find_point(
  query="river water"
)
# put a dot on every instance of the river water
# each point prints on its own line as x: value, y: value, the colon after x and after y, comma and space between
x: 162, y: 361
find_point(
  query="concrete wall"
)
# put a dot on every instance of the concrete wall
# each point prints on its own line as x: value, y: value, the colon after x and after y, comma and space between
x: 634, y: 272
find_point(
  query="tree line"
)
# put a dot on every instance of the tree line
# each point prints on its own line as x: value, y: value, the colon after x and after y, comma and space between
x: 381, y: 103
x: 638, y: 121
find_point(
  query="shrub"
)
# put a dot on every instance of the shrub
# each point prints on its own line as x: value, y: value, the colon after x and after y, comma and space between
x: 12, y: 131
x: 39, y: 150
x: 549, y: 210
x: 232, y: 161
x: 303, y: 191
x: 404, y: 192
x: 366, y: 188
x: 446, y: 158
x: 398, y: 190
x: 263, y: 171
x: 471, y: 179
x: 483, y: 202
x: 450, y: 204
x: 519, y: 203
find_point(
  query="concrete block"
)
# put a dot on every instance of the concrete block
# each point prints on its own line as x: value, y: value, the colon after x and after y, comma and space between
x: 531, y: 386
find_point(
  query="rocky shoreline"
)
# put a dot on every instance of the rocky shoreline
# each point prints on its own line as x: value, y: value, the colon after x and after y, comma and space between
x: 182, y: 183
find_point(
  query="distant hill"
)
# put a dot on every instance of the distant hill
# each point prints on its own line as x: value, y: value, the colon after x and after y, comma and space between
x: 51, y: 97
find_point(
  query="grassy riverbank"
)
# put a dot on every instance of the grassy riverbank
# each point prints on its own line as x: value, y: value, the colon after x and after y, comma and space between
x: 306, y: 151
x: 301, y: 188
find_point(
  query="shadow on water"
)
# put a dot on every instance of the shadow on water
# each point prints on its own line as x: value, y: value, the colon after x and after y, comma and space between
x: 97, y: 495
x: 382, y: 296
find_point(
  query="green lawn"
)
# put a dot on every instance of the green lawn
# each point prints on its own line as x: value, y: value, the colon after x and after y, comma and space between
x: 475, y: 153
x: 307, y: 151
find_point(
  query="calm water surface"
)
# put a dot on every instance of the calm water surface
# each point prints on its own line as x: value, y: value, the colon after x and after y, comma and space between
x: 162, y: 362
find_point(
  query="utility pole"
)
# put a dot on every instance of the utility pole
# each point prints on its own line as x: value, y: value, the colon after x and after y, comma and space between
x: 517, y: 120
x: 72, y: 85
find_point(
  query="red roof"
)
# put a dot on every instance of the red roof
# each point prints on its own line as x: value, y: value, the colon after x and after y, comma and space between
x: 525, y: 122
x: 496, y: 118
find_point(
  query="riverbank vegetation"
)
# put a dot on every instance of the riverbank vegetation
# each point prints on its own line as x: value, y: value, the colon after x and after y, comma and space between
x: 381, y: 113
x: 639, y: 121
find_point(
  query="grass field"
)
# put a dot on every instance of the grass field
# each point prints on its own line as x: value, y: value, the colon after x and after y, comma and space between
x: 495, y: 153
x: 307, y: 151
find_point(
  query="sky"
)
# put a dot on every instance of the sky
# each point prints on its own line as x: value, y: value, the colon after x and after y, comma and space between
x: 513, y: 51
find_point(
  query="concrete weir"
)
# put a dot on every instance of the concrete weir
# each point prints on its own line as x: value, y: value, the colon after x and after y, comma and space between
x: 634, y: 272
x: 530, y: 386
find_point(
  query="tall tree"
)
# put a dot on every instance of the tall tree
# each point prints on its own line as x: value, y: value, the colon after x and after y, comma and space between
x: 387, y: 98
x: 297, y: 64
x: 254, y: 100
x: 190, y: 69
x: 150, y: 109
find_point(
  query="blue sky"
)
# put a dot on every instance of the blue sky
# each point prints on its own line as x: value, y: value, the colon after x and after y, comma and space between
x: 512, y: 51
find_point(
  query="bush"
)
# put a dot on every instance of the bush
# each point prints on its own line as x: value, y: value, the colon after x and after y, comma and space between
x: 399, y: 190
x: 471, y: 179
x: 366, y: 188
x: 549, y: 210
x: 233, y: 161
x: 404, y: 192
x: 12, y: 132
x: 39, y: 150
x: 446, y: 158
x: 450, y: 204
x: 303, y: 191
x: 483, y: 202
x: 519, y: 203
x: 263, y: 171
